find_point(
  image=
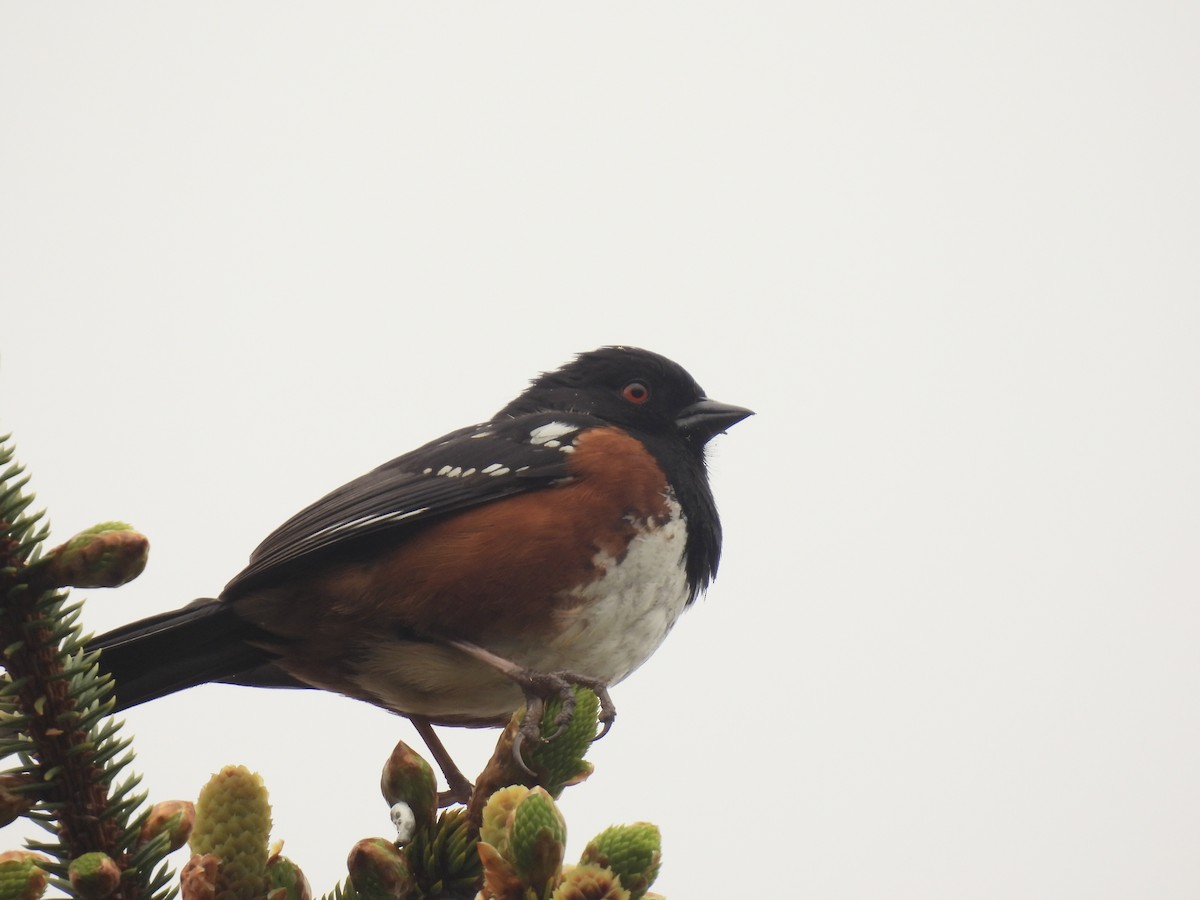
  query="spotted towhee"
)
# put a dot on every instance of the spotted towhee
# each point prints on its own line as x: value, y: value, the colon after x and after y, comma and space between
x: 555, y: 544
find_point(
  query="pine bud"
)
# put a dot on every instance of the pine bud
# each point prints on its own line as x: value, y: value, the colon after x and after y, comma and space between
x: 380, y: 871
x: 285, y: 881
x: 409, y: 779
x: 175, y: 817
x: 586, y: 882
x: 497, y: 814
x: 538, y: 837
x: 105, y: 555
x: 94, y: 876
x: 632, y: 852
x: 198, y: 877
x: 14, y: 803
x: 21, y: 875
x: 233, y: 823
x: 560, y: 762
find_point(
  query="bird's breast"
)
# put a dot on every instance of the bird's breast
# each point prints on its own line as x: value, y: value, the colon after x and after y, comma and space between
x: 609, y: 626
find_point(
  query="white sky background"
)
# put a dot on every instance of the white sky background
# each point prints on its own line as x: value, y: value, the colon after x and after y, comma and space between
x: 947, y: 251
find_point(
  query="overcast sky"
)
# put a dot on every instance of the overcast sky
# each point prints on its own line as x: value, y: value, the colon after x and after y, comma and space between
x: 947, y: 251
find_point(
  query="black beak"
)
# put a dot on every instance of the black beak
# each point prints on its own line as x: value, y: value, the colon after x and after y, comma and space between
x: 705, y: 419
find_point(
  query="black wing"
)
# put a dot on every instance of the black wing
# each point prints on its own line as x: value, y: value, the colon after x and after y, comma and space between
x: 463, y: 469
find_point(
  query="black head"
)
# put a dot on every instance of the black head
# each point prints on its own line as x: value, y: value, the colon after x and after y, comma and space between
x: 657, y: 400
x: 636, y: 389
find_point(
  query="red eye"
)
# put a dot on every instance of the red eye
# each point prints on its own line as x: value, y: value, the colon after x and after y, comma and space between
x: 636, y: 392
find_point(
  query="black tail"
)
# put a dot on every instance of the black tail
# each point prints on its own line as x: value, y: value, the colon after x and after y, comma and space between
x: 201, y: 642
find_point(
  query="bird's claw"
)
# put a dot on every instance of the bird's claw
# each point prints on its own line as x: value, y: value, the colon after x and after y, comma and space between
x: 530, y: 730
x: 605, y: 724
x: 537, y: 687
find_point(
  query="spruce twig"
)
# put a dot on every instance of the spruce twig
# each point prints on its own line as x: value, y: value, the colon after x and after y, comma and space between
x: 54, y: 703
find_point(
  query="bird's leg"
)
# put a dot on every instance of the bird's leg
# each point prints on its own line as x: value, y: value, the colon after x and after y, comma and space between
x: 459, y: 788
x: 537, y: 688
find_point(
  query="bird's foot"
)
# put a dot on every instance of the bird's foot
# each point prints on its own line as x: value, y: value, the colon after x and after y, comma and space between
x: 538, y: 687
x: 455, y: 794
x: 458, y: 786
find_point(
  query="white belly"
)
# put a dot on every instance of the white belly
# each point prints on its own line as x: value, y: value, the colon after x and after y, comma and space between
x: 608, y: 628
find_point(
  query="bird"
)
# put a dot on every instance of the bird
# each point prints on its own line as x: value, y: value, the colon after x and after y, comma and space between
x: 555, y: 544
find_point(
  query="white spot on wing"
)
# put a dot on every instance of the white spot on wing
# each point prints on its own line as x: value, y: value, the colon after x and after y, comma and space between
x: 549, y: 433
